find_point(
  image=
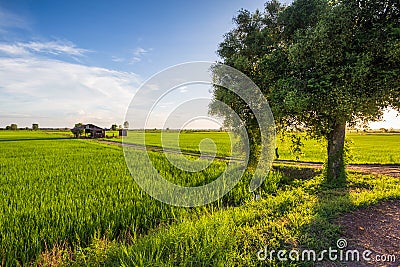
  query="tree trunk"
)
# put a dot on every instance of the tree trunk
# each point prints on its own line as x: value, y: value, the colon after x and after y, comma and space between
x: 336, y: 167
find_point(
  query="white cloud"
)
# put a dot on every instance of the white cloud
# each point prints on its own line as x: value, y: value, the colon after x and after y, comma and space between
x: 52, y: 47
x: 55, y: 47
x: 117, y: 59
x: 138, y: 54
x: 13, y: 50
x: 140, y: 51
x: 58, y: 94
x: 135, y: 60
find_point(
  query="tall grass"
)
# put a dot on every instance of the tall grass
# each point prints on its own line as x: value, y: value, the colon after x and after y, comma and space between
x: 66, y: 191
x: 300, y: 215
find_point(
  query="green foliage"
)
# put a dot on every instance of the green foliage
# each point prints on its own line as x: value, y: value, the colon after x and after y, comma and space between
x: 336, y: 65
x: 126, y: 124
x: 78, y: 130
x: 348, y: 152
x: 296, y: 145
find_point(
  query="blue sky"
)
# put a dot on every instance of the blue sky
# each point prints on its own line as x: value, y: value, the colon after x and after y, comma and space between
x: 136, y: 36
x: 63, y: 62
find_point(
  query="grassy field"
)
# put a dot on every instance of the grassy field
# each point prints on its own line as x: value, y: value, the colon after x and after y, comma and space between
x: 207, y: 142
x: 32, y: 135
x: 300, y: 214
x: 364, y: 148
x: 57, y: 190
x: 73, y: 202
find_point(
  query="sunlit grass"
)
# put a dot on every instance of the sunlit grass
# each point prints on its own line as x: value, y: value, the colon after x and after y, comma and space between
x: 300, y: 215
x: 56, y: 190
x: 364, y: 147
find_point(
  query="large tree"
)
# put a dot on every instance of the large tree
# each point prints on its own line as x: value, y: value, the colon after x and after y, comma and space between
x: 78, y: 130
x: 126, y: 124
x: 321, y: 64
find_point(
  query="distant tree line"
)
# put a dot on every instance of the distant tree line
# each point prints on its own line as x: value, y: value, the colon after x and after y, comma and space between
x: 14, y: 127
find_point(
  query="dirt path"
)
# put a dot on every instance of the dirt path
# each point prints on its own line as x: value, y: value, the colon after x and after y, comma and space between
x: 390, y: 170
x: 374, y: 228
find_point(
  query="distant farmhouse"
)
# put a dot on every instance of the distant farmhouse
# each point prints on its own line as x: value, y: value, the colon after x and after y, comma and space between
x: 89, y: 130
x: 94, y: 131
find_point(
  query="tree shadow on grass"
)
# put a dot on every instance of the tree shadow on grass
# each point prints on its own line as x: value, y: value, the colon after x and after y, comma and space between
x: 291, y: 173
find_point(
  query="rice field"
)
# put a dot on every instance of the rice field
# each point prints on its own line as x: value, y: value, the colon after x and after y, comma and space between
x: 365, y: 148
x: 188, y: 141
x: 56, y: 190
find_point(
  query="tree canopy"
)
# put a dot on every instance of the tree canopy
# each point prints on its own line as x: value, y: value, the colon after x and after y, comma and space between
x: 126, y: 124
x: 321, y: 64
x: 78, y: 130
